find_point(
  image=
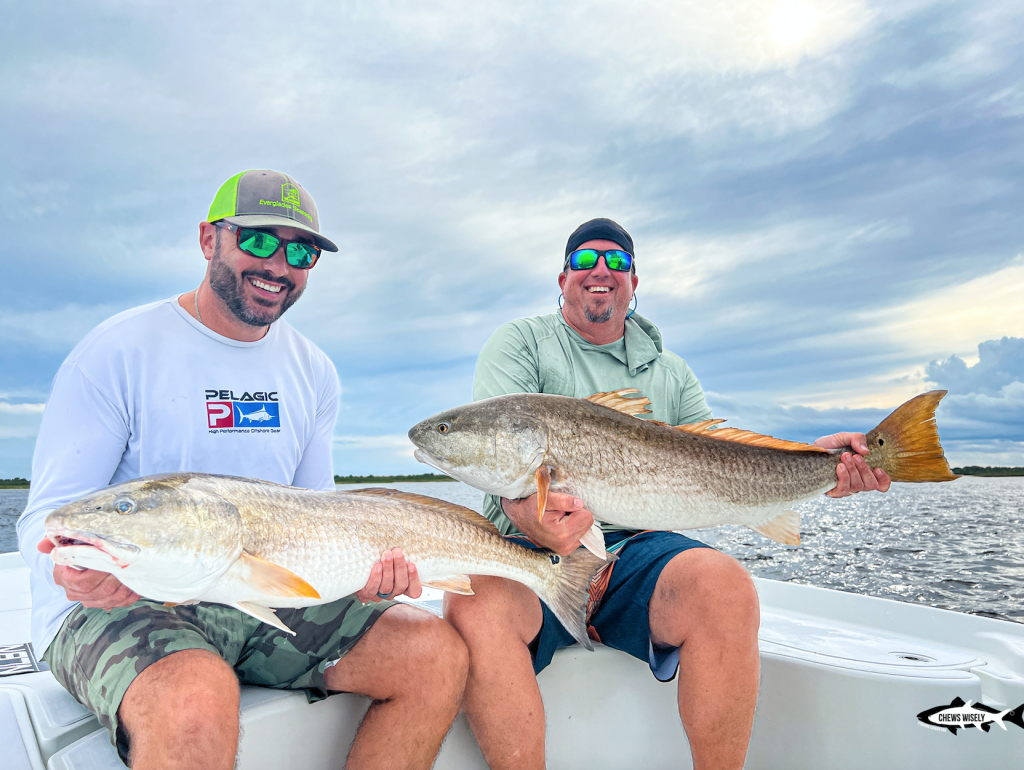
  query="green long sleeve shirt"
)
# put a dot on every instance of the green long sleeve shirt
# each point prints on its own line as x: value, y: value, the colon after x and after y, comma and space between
x: 546, y: 355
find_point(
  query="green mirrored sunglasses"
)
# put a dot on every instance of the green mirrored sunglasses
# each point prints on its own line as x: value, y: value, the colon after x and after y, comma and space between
x: 586, y: 259
x: 261, y: 244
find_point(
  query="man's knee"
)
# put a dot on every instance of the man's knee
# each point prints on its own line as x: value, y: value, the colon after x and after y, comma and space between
x: 407, y: 651
x: 194, y: 691
x: 498, y: 607
x: 707, y: 590
x: 439, y: 655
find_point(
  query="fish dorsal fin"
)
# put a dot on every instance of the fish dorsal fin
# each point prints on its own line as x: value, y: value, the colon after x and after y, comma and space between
x: 467, y: 515
x: 738, y: 436
x: 274, y: 579
x: 621, y: 401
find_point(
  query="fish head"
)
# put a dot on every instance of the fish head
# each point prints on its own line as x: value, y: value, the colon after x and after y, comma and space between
x: 495, y: 445
x: 162, y: 536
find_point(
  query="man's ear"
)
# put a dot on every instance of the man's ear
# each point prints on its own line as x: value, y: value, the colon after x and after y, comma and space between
x: 561, y: 279
x: 635, y: 281
x: 208, y: 239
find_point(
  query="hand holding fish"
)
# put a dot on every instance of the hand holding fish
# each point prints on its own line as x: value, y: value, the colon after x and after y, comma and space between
x: 390, y: 577
x: 565, y: 521
x: 853, y: 474
x: 90, y: 587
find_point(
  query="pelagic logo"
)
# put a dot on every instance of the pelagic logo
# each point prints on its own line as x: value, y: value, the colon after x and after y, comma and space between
x: 289, y: 200
x: 247, y: 413
x: 959, y: 715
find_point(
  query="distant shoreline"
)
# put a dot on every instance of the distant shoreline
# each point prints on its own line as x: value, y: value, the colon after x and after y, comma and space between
x: 977, y: 470
x: 395, y: 479
x: 24, y: 484
x: 969, y: 470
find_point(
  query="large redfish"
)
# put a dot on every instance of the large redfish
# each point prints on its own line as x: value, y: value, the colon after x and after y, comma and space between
x: 642, y: 474
x: 254, y: 545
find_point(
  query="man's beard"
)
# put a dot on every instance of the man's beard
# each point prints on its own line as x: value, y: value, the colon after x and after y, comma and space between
x: 599, y: 318
x: 229, y: 287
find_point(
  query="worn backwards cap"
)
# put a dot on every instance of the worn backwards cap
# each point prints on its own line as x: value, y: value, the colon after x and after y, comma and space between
x: 267, y: 199
x: 599, y: 229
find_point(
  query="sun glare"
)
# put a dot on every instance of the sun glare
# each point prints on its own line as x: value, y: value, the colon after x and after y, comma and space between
x: 792, y: 21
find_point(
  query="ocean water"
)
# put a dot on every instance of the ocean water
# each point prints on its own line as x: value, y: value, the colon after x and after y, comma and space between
x: 957, y: 546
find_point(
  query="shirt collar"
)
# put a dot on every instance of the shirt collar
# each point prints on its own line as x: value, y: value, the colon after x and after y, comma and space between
x: 641, y: 340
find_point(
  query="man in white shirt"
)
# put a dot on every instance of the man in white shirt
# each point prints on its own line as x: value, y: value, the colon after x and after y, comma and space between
x: 213, y: 382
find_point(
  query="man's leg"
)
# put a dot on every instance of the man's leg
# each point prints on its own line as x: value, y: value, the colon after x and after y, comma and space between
x: 502, y: 701
x: 182, y: 712
x: 413, y: 665
x: 706, y: 603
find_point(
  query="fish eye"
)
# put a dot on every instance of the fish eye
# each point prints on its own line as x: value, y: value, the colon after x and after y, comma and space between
x: 443, y: 427
x: 881, y: 442
x: 124, y: 507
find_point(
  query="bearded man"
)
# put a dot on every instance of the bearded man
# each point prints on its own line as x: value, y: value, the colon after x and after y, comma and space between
x: 167, y: 387
x: 669, y: 600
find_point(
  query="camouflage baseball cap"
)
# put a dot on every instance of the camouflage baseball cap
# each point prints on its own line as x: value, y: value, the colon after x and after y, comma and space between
x: 264, y: 199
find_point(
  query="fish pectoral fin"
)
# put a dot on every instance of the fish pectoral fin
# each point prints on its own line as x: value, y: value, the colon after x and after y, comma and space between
x: 265, y: 614
x: 593, y: 541
x: 273, y: 579
x: 543, y: 484
x: 622, y: 401
x: 453, y: 584
x: 784, y: 528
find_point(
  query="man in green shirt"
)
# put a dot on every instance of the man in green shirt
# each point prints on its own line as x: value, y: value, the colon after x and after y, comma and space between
x: 668, y: 600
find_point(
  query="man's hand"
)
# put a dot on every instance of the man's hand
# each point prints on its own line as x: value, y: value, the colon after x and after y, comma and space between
x: 390, y: 577
x: 853, y: 474
x: 89, y: 586
x: 564, y: 522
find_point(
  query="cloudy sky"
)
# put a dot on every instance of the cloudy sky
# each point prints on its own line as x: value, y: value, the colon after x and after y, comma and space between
x: 826, y: 195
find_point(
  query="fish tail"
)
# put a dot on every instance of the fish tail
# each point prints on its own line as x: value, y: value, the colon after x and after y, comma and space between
x: 906, y: 443
x: 568, y: 594
x: 1016, y: 716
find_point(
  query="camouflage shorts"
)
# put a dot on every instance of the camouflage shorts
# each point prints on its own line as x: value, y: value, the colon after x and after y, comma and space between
x: 97, y: 654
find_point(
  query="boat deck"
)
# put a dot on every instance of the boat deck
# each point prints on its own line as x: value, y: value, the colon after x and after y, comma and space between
x: 843, y: 679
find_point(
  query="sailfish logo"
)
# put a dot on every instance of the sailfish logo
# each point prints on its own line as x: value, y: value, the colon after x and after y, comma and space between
x: 266, y: 415
x: 257, y: 416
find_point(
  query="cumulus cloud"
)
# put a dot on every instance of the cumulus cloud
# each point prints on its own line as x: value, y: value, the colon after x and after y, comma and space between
x: 1000, y: 364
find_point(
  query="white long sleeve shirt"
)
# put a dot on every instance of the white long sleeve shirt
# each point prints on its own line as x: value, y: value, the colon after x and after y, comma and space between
x: 152, y: 390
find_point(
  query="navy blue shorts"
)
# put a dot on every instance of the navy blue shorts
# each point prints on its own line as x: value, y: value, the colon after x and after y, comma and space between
x: 617, y: 616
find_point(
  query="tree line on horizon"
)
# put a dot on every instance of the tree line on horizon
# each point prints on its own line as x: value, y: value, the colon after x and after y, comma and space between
x: 967, y: 470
